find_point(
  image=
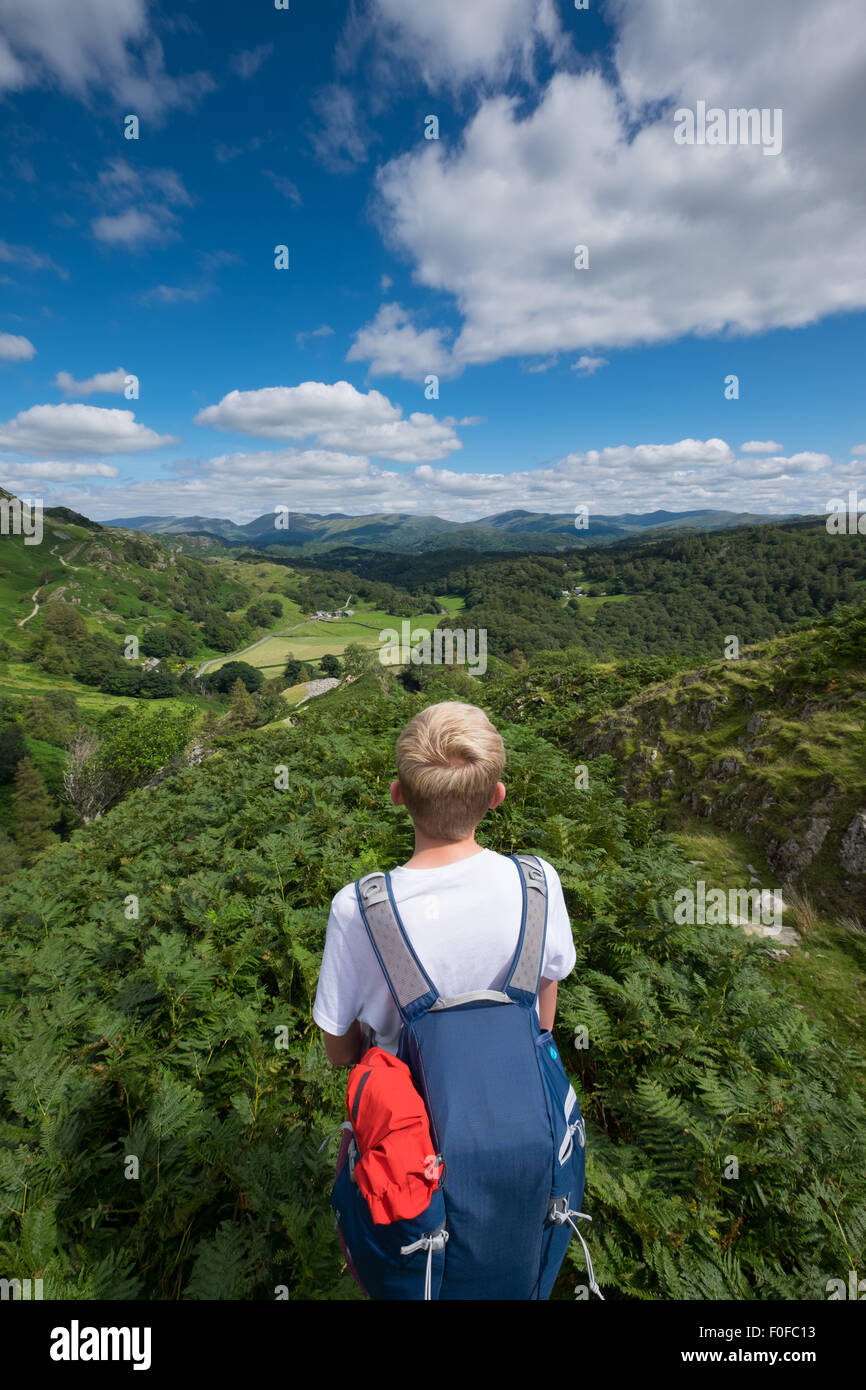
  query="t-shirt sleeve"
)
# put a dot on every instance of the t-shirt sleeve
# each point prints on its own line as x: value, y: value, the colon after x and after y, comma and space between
x: 338, y: 997
x: 559, y: 952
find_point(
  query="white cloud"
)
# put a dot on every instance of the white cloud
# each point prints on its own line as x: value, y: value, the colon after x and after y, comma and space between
x: 92, y: 46
x: 176, y: 294
x: 247, y: 61
x: 588, y: 366
x: 145, y: 200
x: 14, y: 348
x: 684, y: 475
x: 323, y: 331
x: 339, y: 416
x: 285, y: 187
x: 340, y: 138
x: 682, y: 240
x: 454, y: 42
x: 394, y: 347
x: 57, y: 472
x: 133, y: 228
x: 29, y: 259
x: 859, y: 450
x: 74, y: 429
x: 761, y: 446
x: 110, y: 383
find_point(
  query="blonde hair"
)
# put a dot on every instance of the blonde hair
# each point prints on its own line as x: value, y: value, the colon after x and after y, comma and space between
x: 449, y: 759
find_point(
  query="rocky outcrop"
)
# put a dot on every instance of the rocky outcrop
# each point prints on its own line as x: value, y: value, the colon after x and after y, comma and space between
x: 852, y: 851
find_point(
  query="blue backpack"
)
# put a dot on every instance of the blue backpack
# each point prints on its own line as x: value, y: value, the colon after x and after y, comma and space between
x: 504, y: 1119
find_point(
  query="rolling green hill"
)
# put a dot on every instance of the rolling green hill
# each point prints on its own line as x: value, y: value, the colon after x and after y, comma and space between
x: 402, y: 531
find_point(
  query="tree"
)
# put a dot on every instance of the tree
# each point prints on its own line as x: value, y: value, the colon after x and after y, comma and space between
x: 44, y: 721
x: 34, y: 811
x: 224, y: 678
x: 257, y: 615
x: 155, y: 642
x: 86, y: 779
x: 330, y: 665
x: 294, y: 671
x: 242, y: 708
x: 10, y: 859
x: 13, y: 748
x: 158, y: 684
x: 358, y: 660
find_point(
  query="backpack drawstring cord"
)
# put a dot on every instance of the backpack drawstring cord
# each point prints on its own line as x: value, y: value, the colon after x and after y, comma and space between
x: 435, y: 1241
x: 563, y: 1213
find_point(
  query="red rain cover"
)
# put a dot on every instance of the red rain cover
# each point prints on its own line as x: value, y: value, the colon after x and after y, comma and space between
x: 392, y: 1131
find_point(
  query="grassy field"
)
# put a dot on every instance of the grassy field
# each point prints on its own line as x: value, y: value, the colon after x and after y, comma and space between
x: 310, y: 641
x: 588, y: 607
x: 25, y: 679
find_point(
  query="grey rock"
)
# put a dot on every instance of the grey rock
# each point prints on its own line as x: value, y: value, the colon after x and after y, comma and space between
x: 852, y: 851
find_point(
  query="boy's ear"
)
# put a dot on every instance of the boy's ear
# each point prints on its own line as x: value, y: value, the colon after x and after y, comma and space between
x: 396, y: 793
x: 498, y: 796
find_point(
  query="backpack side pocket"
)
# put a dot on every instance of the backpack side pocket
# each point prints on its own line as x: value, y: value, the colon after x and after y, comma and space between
x: 398, y: 1260
x: 566, y: 1123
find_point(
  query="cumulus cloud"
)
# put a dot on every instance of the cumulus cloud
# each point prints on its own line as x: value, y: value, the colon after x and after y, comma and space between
x: 393, y: 346
x: 90, y: 47
x: 145, y: 201
x: 588, y: 366
x: 107, y: 383
x: 14, y: 348
x: 454, y: 42
x: 339, y: 416
x: 683, y: 475
x: 761, y: 446
x: 682, y: 240
x: 78, y: 429
x: 134, y: 228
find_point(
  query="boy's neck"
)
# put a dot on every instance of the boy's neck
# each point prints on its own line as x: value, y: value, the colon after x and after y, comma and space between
x: 434, y: 854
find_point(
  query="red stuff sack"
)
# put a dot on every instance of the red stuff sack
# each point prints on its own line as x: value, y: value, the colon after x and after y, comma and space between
x: 398, y: 1168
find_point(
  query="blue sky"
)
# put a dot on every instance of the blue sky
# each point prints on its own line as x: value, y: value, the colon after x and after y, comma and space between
x: 304, y: 387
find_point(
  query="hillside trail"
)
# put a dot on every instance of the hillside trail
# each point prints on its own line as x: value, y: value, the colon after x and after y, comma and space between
x: 65, y: 563
x: 34, y: 600
x: 33, y: 597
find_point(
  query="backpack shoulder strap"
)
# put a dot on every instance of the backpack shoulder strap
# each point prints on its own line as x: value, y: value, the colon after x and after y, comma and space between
x: 525, y: 973
x: 411, y: 987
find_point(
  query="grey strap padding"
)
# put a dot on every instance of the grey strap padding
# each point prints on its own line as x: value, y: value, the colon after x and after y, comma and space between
x: 408, y: 981
x: 527, y: 967
x: 470, y: 998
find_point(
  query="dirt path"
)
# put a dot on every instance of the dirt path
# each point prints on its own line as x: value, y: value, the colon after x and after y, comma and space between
x: 34, y: 598
x: 22, y: 621
x: 74, y: 551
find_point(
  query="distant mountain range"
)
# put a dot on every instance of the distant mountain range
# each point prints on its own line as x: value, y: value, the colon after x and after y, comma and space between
x: 396, y: 531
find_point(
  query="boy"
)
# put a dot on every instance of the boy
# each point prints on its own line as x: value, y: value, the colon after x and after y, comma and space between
x: 460, y: 904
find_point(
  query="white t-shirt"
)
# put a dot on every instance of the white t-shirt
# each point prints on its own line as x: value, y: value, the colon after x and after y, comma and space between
x: 463, y: 921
